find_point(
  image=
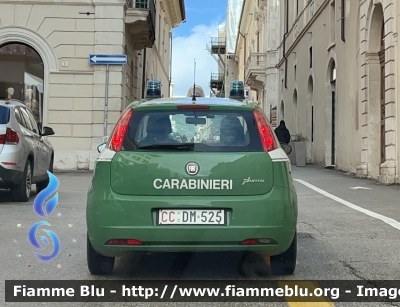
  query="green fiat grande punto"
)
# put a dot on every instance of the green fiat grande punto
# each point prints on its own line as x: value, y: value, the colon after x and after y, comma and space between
x: 224, y: 185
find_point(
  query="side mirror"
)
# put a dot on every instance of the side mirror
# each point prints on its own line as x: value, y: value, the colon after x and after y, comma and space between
x: 286, y: 148
x: 47, y: 131
x: 101, y: 147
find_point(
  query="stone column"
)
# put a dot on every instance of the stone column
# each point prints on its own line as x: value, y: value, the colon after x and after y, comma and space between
x: 362, y: 170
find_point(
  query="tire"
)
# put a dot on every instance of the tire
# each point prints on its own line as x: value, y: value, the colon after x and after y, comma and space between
x: 98, y: 264
x: 40, y: 186
x: 285, y: 264
x: 22, y: 192
x: 253, y: 265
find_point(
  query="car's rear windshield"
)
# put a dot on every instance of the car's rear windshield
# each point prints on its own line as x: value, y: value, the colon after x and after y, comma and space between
x: 200, y: 130
x: 4, y: 115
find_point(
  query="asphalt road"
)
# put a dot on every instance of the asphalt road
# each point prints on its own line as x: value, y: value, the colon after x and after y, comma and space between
x: 337, y: 240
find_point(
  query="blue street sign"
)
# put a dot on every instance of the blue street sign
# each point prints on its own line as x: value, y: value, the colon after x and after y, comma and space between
x: 107, y: 59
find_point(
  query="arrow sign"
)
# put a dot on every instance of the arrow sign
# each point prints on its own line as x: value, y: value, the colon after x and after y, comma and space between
x: 107, y: 59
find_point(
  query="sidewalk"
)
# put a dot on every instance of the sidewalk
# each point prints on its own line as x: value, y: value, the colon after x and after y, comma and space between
x: 366, y: 193
x: 57, y: 171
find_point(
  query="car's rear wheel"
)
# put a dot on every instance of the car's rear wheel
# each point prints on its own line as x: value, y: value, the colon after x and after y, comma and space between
x: 98, y: 264
x: 285, y: 264
x: 40, y: 186
x: 22, y: 192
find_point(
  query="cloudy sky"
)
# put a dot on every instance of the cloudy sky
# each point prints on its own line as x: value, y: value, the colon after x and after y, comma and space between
x: 189, y: 43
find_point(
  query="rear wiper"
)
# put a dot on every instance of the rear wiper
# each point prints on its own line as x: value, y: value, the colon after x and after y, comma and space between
x: 180, y: 146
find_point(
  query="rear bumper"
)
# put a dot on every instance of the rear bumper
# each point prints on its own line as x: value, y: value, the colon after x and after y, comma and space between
x: 9, y: 177
x: 113, y: 216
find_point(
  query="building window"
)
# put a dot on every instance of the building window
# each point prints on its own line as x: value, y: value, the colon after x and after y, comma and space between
x: 21, y: 77
x: 312, y: 8
x: 296, y: 30
x: 295, y: 112
x: 286, y: 20
x: 297, y: 8
x: 295, y: 73
x: 159, y: 33
x: 163, y: 46
x: 343, y: 13
x: 311, y: 58
x: 333, y: 21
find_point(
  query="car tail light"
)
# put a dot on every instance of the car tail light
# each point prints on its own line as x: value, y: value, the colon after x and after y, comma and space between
x: 10, y: 138
x: 258, y: 241
x: 124, y: 242
x: 249, y: 242
x: 9, y: 163
x: 267, y: 136
x: 193, y: 106
x: 118, y: 135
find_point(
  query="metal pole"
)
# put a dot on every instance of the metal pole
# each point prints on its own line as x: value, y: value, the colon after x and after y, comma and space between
x: 106, y: 102
x: 170, y: 67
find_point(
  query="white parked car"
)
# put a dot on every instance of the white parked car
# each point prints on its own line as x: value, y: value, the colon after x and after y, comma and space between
x: 25, y: 155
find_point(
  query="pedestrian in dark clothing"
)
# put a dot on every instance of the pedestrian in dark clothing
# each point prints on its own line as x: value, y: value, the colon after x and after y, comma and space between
x: 282, y: 133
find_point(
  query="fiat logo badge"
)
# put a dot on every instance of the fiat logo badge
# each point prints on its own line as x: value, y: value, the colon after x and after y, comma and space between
x: 192, y: 168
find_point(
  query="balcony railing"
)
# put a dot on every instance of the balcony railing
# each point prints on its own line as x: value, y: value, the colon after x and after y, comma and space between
x: 218, y: 41
x: 256, y: 61
x: 218, y: 45
x: 255, y: 70
x: 217, y: 81
x: 217, y: 77
x: 137, y: 4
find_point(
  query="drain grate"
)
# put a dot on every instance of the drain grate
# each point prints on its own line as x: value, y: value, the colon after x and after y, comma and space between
x: 305, y: 235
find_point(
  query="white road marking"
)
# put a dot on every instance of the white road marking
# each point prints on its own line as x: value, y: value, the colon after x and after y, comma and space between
x: 389, y: 221
x: 360, y: 188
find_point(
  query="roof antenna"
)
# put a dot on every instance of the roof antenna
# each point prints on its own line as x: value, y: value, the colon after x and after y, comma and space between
x: 194, y: 82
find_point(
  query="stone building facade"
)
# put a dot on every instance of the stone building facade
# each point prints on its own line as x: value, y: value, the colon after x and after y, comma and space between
x: 338, y: 85
x: 69, y: 91
x: 256, y: 55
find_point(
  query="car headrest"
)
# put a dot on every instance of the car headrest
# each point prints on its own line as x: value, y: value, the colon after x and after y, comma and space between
x: 161, y: 125
x: 231, y: 130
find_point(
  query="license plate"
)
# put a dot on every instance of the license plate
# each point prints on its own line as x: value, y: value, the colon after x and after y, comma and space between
x: 191, y: 217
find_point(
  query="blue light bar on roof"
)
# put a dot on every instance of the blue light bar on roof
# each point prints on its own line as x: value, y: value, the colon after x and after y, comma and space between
x: 153, y: 89
x: 237, y: 90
